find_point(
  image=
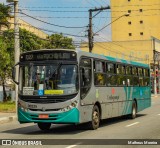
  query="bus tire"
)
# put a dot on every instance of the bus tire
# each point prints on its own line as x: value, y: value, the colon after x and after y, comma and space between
x: 134, y: 110
x: 44, y: 126
x: 94, y: 124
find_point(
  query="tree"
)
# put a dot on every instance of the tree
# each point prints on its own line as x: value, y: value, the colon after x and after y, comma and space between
x: 4, y: 15
x: 28, y: 40
x: 5, y: 70
x: 60, y: 41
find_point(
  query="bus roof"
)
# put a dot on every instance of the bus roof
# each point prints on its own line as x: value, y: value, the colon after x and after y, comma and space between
x: 43, y: 50
x: 94, y: 55
x: 113, y: 59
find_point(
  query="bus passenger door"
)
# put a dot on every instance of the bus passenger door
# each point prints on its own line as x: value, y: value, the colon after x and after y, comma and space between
x: 85, y: 79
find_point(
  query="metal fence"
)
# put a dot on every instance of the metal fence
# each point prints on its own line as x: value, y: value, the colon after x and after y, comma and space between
x: 9, y: 93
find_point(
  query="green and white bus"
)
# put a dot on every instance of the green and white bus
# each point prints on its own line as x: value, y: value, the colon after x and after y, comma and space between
x: 72, y: 86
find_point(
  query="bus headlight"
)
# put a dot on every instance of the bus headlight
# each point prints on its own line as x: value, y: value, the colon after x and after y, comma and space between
x: 22, y: 107
x: 69, y: 107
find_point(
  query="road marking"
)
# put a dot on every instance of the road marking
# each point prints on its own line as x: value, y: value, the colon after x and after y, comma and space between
x: 132, y: 124
x: 71, y: 146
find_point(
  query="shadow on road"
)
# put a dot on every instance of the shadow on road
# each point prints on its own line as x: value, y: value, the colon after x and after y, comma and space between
x: 66, y: 129
x: 116, y: 120
x: 55, y: 129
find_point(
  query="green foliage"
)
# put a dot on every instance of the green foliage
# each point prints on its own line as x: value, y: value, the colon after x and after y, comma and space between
x: 5, y: 69
x: 4, y: 60
x: 59, y: 41
x: 7, y: 106
x: 4, y: 15
x: 29, y: 41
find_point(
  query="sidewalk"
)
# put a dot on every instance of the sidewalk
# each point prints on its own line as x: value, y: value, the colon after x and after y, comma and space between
x: 155, y: 96
x: 7, y: 117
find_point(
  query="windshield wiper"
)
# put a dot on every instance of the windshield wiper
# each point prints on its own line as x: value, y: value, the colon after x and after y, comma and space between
x: 58, y: 67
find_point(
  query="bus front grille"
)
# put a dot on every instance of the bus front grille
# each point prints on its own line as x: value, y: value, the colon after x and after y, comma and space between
x: 45, y: 109
x: 47, y: 100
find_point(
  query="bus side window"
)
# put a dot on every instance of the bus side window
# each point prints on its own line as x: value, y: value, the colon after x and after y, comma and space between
x: 135, y: 76
x: 146, y: 77
x: 129, y: 77
x: 111, y: 74
x: 99, y: 73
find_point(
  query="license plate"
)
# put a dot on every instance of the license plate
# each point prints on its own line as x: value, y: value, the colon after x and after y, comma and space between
x: 43, y: 116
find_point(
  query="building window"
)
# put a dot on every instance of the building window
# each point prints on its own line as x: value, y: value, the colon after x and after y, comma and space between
x: 141, y: 33
x: 140, y: 10
x: 141, y: 22
x: 130, y: 34
x: 129, y: 11
x: 129, y: 23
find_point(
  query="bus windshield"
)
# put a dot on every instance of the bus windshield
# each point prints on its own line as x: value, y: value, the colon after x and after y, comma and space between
x: 48, y: 79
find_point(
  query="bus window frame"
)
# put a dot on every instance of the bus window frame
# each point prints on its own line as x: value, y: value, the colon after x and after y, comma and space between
x: 97, y: 72
x: 80, y: 76
x: 111, y: 74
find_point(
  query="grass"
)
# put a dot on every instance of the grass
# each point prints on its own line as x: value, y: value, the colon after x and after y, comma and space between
x: 7, y: 107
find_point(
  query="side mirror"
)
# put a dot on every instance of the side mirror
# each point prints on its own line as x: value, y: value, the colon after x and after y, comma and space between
x: 14, y: 74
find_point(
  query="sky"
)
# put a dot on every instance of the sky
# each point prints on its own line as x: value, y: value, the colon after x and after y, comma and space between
x: 68, y: 13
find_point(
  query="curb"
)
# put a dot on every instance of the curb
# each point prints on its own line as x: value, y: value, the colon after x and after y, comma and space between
x: 7, y: 119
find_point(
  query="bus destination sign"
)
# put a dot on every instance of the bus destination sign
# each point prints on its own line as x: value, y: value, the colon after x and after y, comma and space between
x: 43, y: 56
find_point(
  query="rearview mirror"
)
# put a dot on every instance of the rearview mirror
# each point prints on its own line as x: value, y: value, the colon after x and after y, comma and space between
x: 14, y: 74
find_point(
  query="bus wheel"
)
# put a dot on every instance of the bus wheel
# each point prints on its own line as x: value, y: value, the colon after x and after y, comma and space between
x: 44, y: 126
x: 94, y: 124
x: 134, y: 110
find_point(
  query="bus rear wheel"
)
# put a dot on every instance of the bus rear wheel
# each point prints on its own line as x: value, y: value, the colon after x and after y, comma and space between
x: 44, y: 126
x: 134, y: 111
x: 94, y: 124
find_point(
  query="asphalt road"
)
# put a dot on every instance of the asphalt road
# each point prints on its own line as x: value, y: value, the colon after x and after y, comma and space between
x: 145, y: 126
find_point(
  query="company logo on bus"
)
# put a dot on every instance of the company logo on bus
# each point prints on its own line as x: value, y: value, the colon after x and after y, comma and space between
x: 113, y: 91
x: 112, y: 96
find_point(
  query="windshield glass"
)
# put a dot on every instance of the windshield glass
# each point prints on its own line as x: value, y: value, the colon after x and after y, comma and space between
x: 53, y: 79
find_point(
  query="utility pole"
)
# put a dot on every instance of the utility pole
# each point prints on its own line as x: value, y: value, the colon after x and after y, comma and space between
x: 16, y: 43
x: 90, y: 31
x: 154, y: 57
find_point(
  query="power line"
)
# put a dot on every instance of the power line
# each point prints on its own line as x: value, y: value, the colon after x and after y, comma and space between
x: 50, y: 23
x: 64, y: 11
x: 81, y: 7
x: 58, y: 7
x: 22, y: 37
x: 76, y: 11
x: 43, y: 29
x: 77, y: 17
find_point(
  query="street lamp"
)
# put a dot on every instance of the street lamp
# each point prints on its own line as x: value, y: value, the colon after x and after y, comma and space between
x: 90, y: 34
x: 127, y: 14
x: 16, y: 43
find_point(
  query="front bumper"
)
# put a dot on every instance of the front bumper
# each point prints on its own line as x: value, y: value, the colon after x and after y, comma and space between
x: 71, y: 116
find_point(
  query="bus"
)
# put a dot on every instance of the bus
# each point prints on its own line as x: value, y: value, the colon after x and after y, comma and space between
x: 60, y: 86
